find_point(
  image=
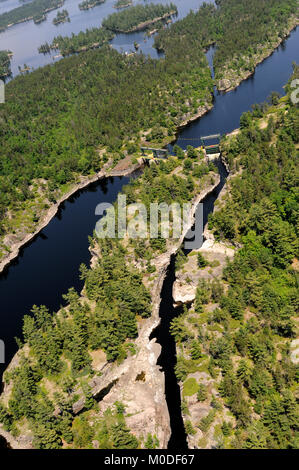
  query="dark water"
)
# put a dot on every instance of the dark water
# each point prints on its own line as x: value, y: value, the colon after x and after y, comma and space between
x: 49, y: 266
x: 271, y: 75
x: 224, y: 117
x: 167, y: 312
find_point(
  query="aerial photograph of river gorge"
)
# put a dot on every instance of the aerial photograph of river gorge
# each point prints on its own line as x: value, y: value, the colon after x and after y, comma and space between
x: 149, y: 250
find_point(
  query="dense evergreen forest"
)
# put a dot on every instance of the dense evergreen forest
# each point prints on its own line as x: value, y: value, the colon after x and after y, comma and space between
x: 54, y: 120
x: 49, y: 143
x: 129, y: 20
x: 5, y: 63
x: 244, y: 344
x: 115, y: 297
x: 258, y: 25
x: 36, y: 8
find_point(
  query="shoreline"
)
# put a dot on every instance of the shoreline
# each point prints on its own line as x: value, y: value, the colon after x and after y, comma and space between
x: 124, y: 375
x: 239, y: 79
x: 30, y: 18
x: 83, y: 184
x: 145, y: 24
x: 15, y: 249
x: 52, y: 211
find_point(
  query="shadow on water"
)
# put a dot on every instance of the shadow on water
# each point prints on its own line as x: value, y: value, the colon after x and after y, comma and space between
x: 167, y: 359
x: 47, y: 267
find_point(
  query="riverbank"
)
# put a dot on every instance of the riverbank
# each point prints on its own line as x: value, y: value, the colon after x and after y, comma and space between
x: 52, y: 211
x: 123, y: 168
x: 144, y: 399
x: 231, y: 78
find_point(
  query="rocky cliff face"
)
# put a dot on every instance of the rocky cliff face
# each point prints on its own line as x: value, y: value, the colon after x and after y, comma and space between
x: 137, y: 382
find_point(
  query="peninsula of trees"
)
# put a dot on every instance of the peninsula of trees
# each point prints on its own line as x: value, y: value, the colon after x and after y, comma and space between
x: 29, y: 11
x: 245, y: 33
x: 123, y: 4
x: 240, y: 334
x: 89, y: 39
x: 169, y: 84
x: 138, y: 17
x: 57, y: 153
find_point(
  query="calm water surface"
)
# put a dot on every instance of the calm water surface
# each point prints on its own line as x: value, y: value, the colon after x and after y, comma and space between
x: 49, y: 265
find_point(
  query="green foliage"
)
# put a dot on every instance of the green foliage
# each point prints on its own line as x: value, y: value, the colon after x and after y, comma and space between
x: 202, y: 393
x: 122, y: 437
x: 128, y: 20
x: 89, y: 39
x: 201, y: 261
x: 247, y: 336
x: 206, y: 422
x: 243, y: 26
x: 86, y: 4
x: 34, y: 8
x: 190, y: 387
x: 61, y: 17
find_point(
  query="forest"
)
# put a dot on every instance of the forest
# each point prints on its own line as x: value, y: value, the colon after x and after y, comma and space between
x: 36, y: 8
x: 244, y: 345
x: 50, y: 144
x: 138, y: 16
x: 257, y: 26
x: 56, y: 118
x: 240, y: 29
x: 105, y: 318
x: 5, y: 63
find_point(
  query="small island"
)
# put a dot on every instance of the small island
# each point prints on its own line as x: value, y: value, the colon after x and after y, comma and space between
x: 44, y: 48
x: 139, y: 17
x: 123, y: 4
x: 90, y: 39
x: 61, y: 17
x: 87, y: 4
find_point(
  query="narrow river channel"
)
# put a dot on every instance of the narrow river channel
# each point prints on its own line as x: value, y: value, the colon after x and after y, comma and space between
x: 49, y: 265
x: 167, y: 312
